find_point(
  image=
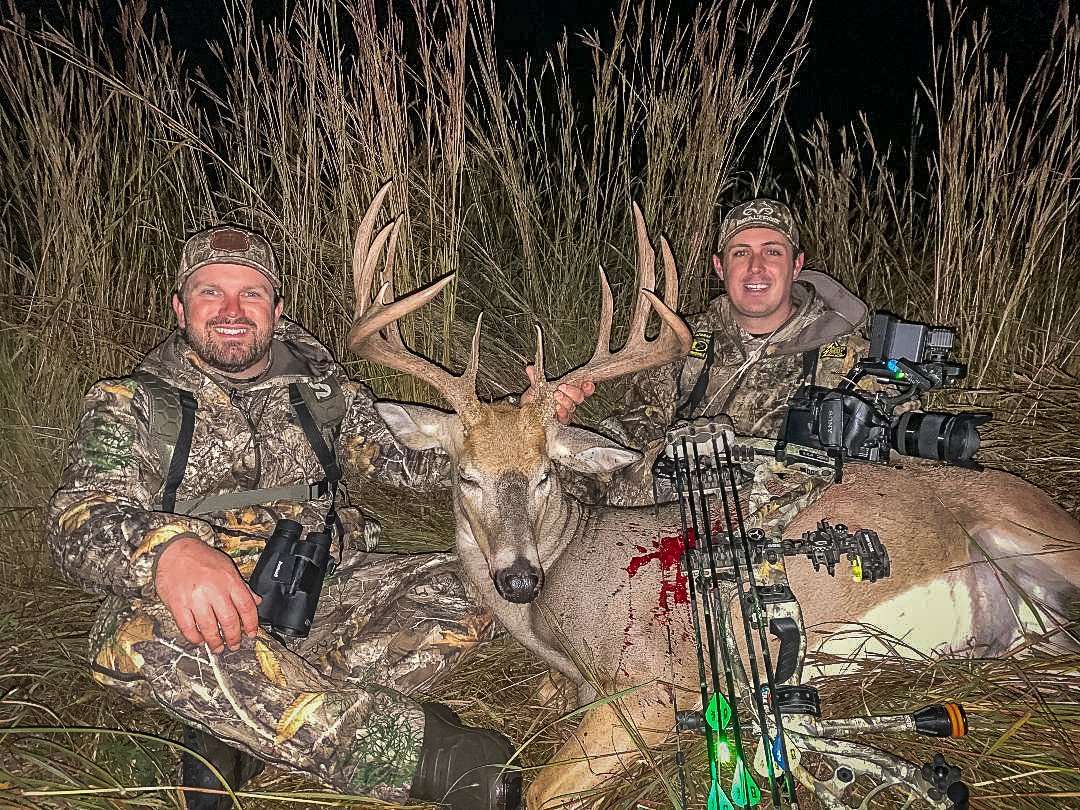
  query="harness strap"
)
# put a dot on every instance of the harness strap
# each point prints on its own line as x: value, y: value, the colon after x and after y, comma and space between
x: 252, y: 497
x: 701, y: 384
x: 809, y: 365
x: 323, y: 452
x: 297, y: 492
x: 178, y: 462
x: 170, y: 405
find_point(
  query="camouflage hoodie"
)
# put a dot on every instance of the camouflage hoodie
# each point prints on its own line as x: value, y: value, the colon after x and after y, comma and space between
x: 105, y: 527
x: 752, y: 378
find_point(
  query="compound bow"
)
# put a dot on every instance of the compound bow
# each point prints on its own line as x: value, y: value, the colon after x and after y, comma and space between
x: 723, y: 559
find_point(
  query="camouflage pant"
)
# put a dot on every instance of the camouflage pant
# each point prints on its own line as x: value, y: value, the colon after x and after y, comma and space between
x: 334, y: 706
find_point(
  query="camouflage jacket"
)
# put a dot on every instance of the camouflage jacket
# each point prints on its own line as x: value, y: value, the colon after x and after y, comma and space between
x: 752, y: 378
x: 105, y: 527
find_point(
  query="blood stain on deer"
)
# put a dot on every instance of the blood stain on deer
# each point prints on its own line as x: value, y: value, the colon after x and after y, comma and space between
x: 668, y: 551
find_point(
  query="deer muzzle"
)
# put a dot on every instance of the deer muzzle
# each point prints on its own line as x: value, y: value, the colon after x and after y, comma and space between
x: 520, y: 582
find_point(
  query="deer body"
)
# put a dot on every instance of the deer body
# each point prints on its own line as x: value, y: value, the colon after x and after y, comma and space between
x: 608, y: 585
x: 595, y: 592
x: 943, y: 596
x: 606, y: 611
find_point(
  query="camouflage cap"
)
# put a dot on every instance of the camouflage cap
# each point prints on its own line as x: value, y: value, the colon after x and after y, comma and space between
x: 759, y: 213
x: 228, y: 244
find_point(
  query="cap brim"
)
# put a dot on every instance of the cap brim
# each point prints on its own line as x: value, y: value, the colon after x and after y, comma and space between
x: 760, y: 224
x: 243, y: 261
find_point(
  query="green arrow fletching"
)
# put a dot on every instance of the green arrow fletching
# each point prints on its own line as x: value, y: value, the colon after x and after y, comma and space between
x: 717, y: 799
x: 743, y: 790
x: 718, y: 712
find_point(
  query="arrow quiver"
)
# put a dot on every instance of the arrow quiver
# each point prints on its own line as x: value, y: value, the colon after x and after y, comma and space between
x: 744, y: 692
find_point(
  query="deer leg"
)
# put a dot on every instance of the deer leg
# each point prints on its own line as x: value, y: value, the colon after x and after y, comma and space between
x: 556, y: 691
x: 602, y: 745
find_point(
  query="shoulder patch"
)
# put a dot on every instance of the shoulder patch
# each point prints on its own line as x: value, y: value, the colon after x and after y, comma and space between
x: 699, y: 348
x: 836, y: 350
x: 106, y: 444
x: 321, y: 390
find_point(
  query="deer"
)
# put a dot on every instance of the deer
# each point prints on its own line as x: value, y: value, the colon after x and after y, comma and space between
x: 980, y: 559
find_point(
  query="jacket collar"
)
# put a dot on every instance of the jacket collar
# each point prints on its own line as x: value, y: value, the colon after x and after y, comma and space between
x: 296, y: 355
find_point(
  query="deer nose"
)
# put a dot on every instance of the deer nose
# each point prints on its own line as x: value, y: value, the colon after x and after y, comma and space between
x: 519, y: 582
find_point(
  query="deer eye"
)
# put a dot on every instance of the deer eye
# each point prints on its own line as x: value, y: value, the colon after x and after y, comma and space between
x: 467, y: 481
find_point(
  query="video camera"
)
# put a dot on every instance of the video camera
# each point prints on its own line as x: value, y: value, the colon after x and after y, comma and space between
x: 289, y: 578
x: 849, y: 423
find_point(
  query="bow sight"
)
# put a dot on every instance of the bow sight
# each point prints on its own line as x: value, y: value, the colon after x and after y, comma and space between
x: 725, y: 563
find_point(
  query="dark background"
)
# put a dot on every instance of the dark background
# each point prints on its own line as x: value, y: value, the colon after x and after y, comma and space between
x: 865, y: 55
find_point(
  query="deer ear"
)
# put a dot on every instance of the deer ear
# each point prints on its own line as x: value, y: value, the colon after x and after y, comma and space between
x: 418, y: 426
x: 588, y: 452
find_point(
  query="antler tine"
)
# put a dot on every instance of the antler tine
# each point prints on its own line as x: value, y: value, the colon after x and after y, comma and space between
x: 638, y: 354
x: 607, y: 314
x: 468, y: 377
x: 363, y: 269
x: 646, y: 273
x: 379, y: 315
x: 386, y: 291
x: 675, y: 337
x: 375, y: 336
x: 538, y: 363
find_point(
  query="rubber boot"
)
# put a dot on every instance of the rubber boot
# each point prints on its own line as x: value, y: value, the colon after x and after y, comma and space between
x: 237, y: 767
x: 464, y: 767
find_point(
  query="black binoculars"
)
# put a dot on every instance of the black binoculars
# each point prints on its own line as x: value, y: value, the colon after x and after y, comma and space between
x: 289, y: 577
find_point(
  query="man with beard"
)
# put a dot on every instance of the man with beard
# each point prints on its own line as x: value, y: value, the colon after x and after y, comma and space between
x: 178, y: 474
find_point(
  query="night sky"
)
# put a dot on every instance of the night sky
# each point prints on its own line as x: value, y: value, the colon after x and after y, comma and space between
x: 865, y: 55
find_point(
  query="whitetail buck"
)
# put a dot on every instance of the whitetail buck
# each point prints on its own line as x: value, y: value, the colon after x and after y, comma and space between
x: 975, y: 555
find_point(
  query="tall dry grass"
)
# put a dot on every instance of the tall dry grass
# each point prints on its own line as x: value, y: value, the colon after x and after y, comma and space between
x: 981, y: 231
x: 515, y: 176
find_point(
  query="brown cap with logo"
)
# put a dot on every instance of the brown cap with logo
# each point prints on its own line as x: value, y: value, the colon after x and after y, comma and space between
x: 759, y: 213
x: 228, y: 244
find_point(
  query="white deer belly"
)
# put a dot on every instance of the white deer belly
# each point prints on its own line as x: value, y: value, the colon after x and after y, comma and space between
x: 939, y: 618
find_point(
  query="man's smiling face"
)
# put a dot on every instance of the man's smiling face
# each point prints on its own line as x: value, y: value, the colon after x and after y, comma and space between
x: 758, y: 267
x: 227, y: 313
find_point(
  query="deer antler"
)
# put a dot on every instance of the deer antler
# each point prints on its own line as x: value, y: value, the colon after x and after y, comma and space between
x: 637, y: 354
x: 375, y: 335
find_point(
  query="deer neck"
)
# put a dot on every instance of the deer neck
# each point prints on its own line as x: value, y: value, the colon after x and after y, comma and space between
x: 565, y: 521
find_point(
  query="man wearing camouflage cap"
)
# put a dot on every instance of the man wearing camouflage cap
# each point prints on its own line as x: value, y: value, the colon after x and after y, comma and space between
x: 178, y: 474
x: 776, y: 328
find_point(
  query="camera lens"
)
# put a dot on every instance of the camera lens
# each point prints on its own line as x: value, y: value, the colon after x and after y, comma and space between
x: 951, y: 437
